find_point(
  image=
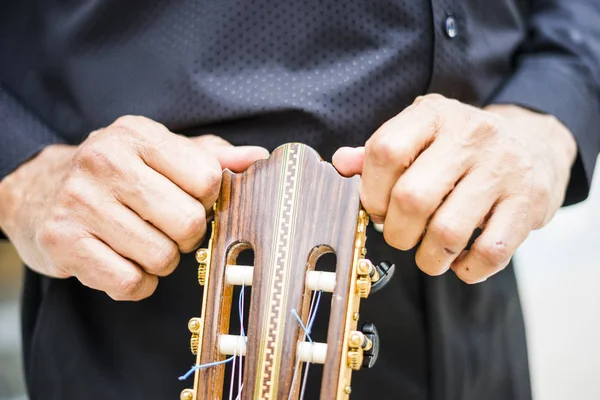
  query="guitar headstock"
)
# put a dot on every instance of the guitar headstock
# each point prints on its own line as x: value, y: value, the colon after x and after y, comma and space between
x: 289, y: 209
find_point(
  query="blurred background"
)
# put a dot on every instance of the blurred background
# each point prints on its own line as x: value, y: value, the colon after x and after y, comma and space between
x: 558, y: 270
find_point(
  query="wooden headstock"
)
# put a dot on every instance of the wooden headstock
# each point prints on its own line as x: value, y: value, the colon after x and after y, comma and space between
x: 289, y: 209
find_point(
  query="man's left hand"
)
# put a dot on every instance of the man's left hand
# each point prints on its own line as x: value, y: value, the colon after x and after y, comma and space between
x: 440, y: 169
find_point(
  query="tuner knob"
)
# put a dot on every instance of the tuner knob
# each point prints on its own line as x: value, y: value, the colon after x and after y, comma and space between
x: 385, y: 271
x: 370, y: 354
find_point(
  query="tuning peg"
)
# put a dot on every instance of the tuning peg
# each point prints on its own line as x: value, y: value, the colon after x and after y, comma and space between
x: 385, y: 270
x: 194, y: 326
x: 203, y: 258
x: 370, y: 355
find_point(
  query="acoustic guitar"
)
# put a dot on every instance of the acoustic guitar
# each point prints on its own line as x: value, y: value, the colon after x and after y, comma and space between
x: 289, y: 211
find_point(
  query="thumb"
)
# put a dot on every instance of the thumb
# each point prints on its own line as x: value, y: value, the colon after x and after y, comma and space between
x: 349, y: 160
x: 235, y: 158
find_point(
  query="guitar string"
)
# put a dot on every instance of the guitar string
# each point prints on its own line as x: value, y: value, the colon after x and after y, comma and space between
x: 316, y: 298
x: 243, y: 335
x: 232, y: 380
x: 310, y: 324
x: 297, y: 367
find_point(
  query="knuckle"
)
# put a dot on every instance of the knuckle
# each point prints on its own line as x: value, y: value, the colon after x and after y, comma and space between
x: 133, y: 125
x: 73, y: 194
x: 411, y: 198
x: 540, y: 194
x: 50, y: 234
x: 213, y: 177
x: 128, y: 121
x: 430, y: 98
x: 95, y: 156
x: 130, y: 287
x: 211, y: 180
x: 493, y: 253
x: 447, y: 232
x: 193, y: 225
x: 166, y: 258
x: 385, y: 149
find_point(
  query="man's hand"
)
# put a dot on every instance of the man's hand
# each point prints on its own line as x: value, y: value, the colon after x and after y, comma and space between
x: 116, y: 211
x: 441, y: 169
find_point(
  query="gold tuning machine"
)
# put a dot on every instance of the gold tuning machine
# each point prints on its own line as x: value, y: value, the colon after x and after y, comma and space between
x: 195, y: 326
x: 358, y: 343
x: 203, y: 258
x: 367, y: 274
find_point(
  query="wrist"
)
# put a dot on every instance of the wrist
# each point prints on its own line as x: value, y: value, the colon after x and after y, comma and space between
x: 15, y: 187
x: 6, y: 199
x: 555, y: 134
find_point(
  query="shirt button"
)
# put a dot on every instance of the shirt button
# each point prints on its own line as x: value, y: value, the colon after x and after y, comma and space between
x: 450, y: 27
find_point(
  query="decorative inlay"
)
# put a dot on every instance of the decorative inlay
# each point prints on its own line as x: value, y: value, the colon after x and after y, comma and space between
x: 275, y: 312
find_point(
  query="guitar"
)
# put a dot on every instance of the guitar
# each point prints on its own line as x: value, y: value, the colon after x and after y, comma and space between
x: 289, y: 211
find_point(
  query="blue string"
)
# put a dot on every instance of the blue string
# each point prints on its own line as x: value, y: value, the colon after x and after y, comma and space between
x: 196, y: 367
x: 306, y: 331
x: 311, y: 321
x: 212, y: 364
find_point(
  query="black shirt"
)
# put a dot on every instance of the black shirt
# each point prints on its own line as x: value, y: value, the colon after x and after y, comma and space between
x: 326, y: 73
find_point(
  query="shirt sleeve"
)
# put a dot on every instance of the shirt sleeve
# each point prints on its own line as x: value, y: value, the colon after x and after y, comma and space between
x: 22, y: 135
x: 557, y: 72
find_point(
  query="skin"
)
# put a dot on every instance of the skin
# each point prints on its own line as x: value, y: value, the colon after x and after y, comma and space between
x: 440, y: 169
x: 432, y: 174
x: 117, y: 210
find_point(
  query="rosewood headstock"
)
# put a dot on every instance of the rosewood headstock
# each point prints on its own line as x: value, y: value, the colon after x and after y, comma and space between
x: 290, y: 210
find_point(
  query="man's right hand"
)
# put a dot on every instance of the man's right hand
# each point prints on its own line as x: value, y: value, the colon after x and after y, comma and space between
x: 117, y: 210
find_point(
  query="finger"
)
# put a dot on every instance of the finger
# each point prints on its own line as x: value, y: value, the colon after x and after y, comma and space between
x: 390, y: 151
x: 176, y: 157
x: 133, y: 238
x: 452, y: 226
x: 97, y: 266
x: 508, y: 226
x: 349, y: 160
x: 234, y: 158
x: 162, y: 203
x: 421, y: 189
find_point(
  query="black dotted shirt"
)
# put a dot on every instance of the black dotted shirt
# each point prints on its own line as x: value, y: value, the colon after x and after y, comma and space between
x: 326, y: 73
